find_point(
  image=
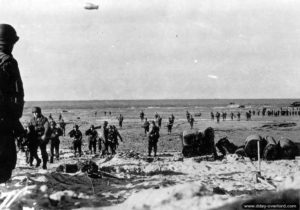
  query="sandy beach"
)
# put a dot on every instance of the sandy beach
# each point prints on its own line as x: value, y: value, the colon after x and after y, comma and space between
x: 131, y: 180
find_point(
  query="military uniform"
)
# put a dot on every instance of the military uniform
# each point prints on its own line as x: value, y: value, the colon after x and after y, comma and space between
x: 11, y: 101
x: 153, y: 139
x: 105, y: 136
x: 77, y: 140
x: 32, y: 144
x: 54, y: 142
x: 146, y: 126
x: 92, y: 139
x: 42, y: 128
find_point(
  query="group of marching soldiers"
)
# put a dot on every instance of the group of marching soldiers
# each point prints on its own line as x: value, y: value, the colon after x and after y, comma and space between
x: 37, y: 134
x: 40, y: 131
x: 109, y: 138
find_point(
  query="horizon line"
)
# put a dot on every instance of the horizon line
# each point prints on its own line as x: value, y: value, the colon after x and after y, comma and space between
x: 166, y: 99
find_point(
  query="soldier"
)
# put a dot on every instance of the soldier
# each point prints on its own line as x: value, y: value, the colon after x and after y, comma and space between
x: 142, y: 114
x: 146, y: 126
x: 105, y: 135
x: 77, y: 139
x: 112, y: 138
x: 11, y: 101
x: 172, y: 117
x: 188, y: 115
x: 231, y: 115
x: 42, y: 128
x: 218, y: 116
x: 120, y: 119
x: 153, y: 136
x: 159, y: 121
x: 156, y: 115
x: 238, y: 116
x: 31, y: 140
x: 92, y: 138
x: 192, y: 121
x: 62, y: 124
x: 170, y: 125
x: 212, y: 116
x: 56, y: 132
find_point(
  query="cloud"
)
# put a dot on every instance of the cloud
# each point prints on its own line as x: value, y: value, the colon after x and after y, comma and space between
x: 212, y: 76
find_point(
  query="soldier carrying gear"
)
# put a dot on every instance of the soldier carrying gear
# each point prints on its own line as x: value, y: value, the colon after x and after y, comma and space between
x: 77, y: 139
x: 92, y: 138
x: 31, y: 140
x: 120, y: 119
x: 11, y: 101
x: 153, y: 136
x: 112, y: 138
x: 55, y: 133
x: 42, y: 129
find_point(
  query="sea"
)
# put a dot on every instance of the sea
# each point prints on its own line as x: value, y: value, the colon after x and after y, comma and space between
x: 148, y: 104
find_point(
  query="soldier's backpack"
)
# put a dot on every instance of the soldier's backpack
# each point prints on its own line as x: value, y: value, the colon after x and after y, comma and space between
x: 251, y: 145
x: 288, y: 149
x: 225, y: 146
x: 271, y: 151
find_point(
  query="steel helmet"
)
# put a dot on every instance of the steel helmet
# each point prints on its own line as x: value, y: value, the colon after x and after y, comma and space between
x: 8, y: 34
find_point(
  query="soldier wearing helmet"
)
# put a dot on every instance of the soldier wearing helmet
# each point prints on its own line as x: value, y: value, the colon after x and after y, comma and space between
x: 77, y: 139
x: 42, y: 128
x: 11, y: 101
x: 92, y: 138
x: 55, y: 133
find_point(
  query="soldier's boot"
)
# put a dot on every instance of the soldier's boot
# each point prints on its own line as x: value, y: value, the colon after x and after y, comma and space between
x: 38, y: 163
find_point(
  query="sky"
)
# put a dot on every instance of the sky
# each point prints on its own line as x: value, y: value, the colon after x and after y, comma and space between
x: 156, y: 49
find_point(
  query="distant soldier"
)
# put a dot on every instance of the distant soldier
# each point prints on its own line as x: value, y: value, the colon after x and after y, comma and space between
x: 231, y: 115
x: 95, y: 113
x: 42, y: 128
x: 142, y: 115
x: 173, y: 117
x: 104, y: 113
x: 238, y: 116
x: 56, y: 132
x: 109, y: 113
x: 62, y: 124
x: 170, y: 125
x: 77, y: 139
x: 212, y: 116
x: 159, y: 120
x: 92, y: 138
x: 156, y: 115
x: 218, y: 115
x: 32, y: 143
x: 11, y: 101
x: 146, y: 126
x: 192, y: 121
x: 120, y: 119
x: 188, y: 115
x: 153, y: 136
x: 50, y: 117
x: 105, y: 136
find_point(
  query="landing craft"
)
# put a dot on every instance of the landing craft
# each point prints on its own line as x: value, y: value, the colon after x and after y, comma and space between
x: 91, y: 6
